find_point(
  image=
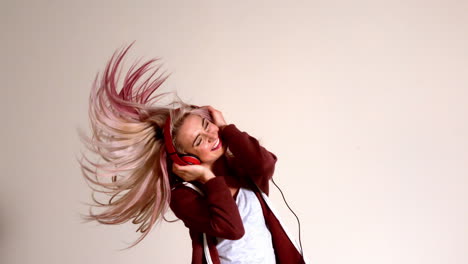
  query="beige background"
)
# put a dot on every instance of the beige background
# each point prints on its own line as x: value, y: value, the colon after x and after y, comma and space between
x: 364, y: 103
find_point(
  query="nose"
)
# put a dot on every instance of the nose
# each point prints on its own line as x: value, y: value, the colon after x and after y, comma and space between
x: 212, y: 135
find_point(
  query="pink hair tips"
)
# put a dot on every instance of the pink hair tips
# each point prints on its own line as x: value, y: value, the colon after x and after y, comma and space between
x: 133, y: 169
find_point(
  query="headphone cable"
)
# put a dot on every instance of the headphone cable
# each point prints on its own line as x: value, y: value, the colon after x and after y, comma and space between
x: 297, y: 218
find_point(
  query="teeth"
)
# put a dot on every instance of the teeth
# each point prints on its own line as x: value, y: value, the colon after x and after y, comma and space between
x: 216, y: 145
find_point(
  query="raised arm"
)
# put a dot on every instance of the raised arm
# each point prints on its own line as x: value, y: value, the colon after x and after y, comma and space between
x: 214, y: 213
x: 256, y: 162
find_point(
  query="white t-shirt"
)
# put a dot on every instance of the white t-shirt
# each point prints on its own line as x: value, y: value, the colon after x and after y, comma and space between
x: 256, y: 245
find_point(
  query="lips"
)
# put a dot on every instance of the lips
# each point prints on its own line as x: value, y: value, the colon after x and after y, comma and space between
x: 217, y: 145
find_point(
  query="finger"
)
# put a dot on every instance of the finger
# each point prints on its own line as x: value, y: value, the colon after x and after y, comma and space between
x: 210, y: 108
x: 206, y: 106
x: 177, y: 169
x: 187, y: 169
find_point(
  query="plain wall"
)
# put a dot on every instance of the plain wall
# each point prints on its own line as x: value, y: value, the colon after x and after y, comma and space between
x: 363, y: 102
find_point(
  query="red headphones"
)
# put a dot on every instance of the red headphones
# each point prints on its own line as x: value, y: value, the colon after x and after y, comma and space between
x: 180, y: 159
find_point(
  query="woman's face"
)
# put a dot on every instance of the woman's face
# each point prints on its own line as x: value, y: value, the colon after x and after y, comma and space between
x: 200, y: 137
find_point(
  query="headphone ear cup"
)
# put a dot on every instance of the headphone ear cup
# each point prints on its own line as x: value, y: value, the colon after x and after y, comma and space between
x: 190, y: 159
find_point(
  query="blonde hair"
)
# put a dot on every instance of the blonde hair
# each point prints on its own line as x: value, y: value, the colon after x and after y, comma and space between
x: 126, y: 133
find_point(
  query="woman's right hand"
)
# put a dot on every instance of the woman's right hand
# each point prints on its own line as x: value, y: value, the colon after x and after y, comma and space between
x: 218, y: 118
x: 193, y: 172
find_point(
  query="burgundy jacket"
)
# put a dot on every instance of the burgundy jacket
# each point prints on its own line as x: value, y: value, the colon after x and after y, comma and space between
x: 215, y: 213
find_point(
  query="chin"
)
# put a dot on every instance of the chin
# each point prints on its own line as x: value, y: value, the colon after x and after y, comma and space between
x: 217, y: 156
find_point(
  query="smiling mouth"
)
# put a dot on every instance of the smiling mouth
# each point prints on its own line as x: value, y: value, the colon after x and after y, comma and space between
x: 217, y: 145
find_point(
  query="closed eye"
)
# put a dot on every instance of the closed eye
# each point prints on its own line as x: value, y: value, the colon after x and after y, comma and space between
x: 198, y: 140
x: 205, y: 127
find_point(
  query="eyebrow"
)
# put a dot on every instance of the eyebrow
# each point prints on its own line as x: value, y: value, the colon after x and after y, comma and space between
x: 195, y: 140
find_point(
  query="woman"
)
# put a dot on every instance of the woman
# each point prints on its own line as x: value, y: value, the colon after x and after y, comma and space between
x: 214, y: 177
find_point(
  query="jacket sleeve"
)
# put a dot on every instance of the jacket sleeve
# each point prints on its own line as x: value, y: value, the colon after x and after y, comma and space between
x: 214, y: 213
x: 256, y: 162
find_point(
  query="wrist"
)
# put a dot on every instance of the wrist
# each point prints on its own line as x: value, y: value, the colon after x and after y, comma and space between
x: 207, y: 176
x: 221, y: 127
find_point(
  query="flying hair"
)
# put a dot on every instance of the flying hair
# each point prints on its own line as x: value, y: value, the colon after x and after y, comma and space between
x: 126, y: 135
